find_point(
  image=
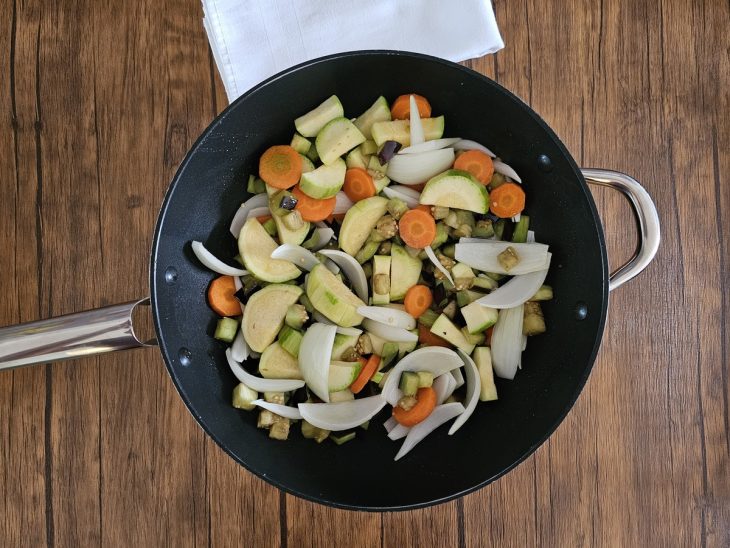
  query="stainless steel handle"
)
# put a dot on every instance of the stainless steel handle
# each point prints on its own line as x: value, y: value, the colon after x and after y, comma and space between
x: 72, y: 336
x: 647, y: 220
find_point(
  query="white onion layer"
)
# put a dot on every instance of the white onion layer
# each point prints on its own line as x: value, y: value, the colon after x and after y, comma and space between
x: 484, y: 256
x: 392, y: 334
x: 260, y: 384
x: 504, y: 169
x: 281, y: 410
x: 473, y: 388
x: 259, y: 200
x: 433, y: 359
x: 393, y: 193
x: 214, y: 263
x: 516, y: 291
x: 296, y: 254
x: 466, y: 144
x: 391, y: 317
x: 428, y: 146
x: 315, y: 352
x: 432, y: 257
x: 417, y: 135
x: 507, y: 342
x: 341, y: 415
x: 239, y: 349
x: 411, y: 169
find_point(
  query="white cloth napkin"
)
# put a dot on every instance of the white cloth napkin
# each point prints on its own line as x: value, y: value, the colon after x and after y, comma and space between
x: 254, y: 39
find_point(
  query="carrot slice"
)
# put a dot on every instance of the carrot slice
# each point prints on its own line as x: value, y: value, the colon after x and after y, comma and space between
x: 417, y: 228
x: 401, y: 109
x: 367, y: 371
x: 280, y: 166
x: 417, y: 300
x: 477, y: 163
x: 426, y: 402
x: 263, y: 218
x: 358, y: 184
x: 312, y: 209
x: 221, y: 297
x: 429, y: 339
x: 507, y: 200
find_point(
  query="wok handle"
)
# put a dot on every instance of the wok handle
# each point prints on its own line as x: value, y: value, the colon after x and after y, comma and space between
x: 647, y: 220
x: 71, y: 336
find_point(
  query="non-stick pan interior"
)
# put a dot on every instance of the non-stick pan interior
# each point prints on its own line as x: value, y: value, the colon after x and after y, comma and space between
x: 210, y: 185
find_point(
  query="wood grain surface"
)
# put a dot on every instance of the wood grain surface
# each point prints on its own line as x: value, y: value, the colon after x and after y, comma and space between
x: 100, y: 101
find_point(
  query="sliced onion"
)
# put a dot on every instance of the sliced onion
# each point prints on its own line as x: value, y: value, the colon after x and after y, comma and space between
x: 258, y: 212
x: 391, y: 192
x: 239, y: 349
x: 458, y: 377
x: 432, y: 256
x: 214, y: 263
x: 417, y: 135
x: 341, y: 415
x: 466, y: 144
x: 438, y: 416
x: 390, y: 424
x: 524, y: 342
x: 504, y: 169
x: 483, y: 256
x: 392, y: 334
x: 342, y: 203
x: 444, y: 385
x: 412, y: 169
x: 259, y: 384
x: 473, y: 389
x: 281, y: 410
x: 315, y: 352
x: 391, y: 317
x: 241, y: 215
x: 399, y: 431
x: 296, y: 254
x: 530, y: 237
x: 331, y: 266
x: 433, y: 359
x: 321, y: 236
x: 427, y: 146
x: 507, y: 342
x: 350, y: 331
x: 352, y: 269
x: 516, y: 291
x: 238, y: 285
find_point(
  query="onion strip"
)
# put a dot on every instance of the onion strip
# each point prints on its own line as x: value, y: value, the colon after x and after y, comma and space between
x: 259, y: 384
x: 241, y: 215
x: 504, y: 169
x: 214, y: 263
x: 466, y: 144
x: 473, y: 388
x: 516, y: 291
x: 438, y: 416
x: 281, y: 410
x: 432, y: 256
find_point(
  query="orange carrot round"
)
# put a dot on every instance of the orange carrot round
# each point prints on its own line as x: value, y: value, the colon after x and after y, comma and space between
x: 221, y: 297
x: 280, y: 166
x: 477, y: 163
x: 426, y: 402
x: 367, y: 371
x: 417, y: 228
x: 312, y: 209
x: 417, y: 300
x: 401, y: 109
x: 507, y: 200
x: 429, y: 339
x: 358, y: 184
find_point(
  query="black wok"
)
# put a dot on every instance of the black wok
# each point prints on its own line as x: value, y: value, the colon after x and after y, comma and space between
x: 207, y: 190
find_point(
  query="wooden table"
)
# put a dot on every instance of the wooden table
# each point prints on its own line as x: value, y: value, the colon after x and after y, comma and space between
x: 100, y: 102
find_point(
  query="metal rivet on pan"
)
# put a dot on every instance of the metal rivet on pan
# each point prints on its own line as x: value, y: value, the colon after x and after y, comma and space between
x: 544, y: 163
x: 581, y: 310
x: 171, y: 275
x: 185, y: 356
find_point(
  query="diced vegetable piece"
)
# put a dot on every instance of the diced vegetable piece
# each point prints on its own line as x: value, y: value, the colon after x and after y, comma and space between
x: 290, y: 339
x: 508, y: 258
x: 428, y: 318
x: 336, y: 138
x: 519, y: 235
x: 434, y: 359
x: 332, y: 298
x: 243, y: 397
x: 485, y: 282
x: 545, y: 293
x: 355, y: 158
x: 442, y: 234
x: 255, y: 246
x: 473, y: 338
x: 342, y: 415
x: 310, y: 431
x: 255, y: 185
x: 342, y: 344
x: 300, y: 144
x: 341, y: 395
x: 296, y: 316
x: 277, y: 363
x: 359, y: 220
x: 483, y: 360
x: 265, y: 313
x: 483, y: 256
x: 445, y: 328
x: 368, y: 148
x: 456, y: 189
x: 479, y: 317
x: 312, y: 122
x: 378, y: 112
x: 404, y: 272
x: 339, y: 439
x: 425, y: 379
x: 400, y: 130
x: 342, y: 375
x: 389, y: 352
x: 396, y: 207
x: 409, y: 383
x: 534, y: 321
x: 387, y: 151
x: 325, y: 181
x: 352, y: 269
x: 226, y: 329
x: 381, y: 279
